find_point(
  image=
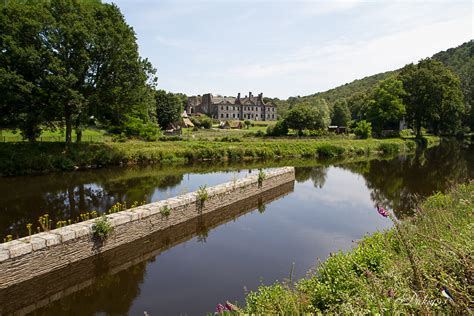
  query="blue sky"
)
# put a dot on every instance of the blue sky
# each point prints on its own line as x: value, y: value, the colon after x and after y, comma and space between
x: 289, y: 48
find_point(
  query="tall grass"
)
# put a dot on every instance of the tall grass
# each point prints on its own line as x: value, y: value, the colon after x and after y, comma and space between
x: 25, y: 158
x: 377, y: 276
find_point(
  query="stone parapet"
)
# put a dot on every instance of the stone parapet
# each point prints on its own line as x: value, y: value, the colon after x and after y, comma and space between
x: 31, y: 256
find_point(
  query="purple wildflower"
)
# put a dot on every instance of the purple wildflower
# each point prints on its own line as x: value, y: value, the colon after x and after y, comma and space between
x: 230, y: 306
x: 382, y: 211
x: 220, y: 308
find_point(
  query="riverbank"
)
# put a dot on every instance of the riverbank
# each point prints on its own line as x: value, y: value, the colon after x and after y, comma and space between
x: 422, y: 265
x: 29, y: 158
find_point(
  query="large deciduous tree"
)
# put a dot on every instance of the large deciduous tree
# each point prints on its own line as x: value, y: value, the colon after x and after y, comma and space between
x: 341, y: 115
x: 169, y: 107
x: 433, y: 97
x: 62, y: 61
x: 310, y: 116
x: 386, y: 108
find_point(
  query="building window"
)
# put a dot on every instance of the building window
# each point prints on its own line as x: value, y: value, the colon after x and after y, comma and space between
x: 256, y: 115
x: 222, y: 107
x: 233, y: 115
x: 222, y: 115
x: 227, y: 115
x: 227, y: 107
x: 273, y: 115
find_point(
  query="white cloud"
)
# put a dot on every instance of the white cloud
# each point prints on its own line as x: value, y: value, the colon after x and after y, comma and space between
x: 338, y: 62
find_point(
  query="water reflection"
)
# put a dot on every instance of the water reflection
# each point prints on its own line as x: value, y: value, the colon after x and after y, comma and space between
x: 331, y: 205
x: 400, y: 183
x: 111, y: 281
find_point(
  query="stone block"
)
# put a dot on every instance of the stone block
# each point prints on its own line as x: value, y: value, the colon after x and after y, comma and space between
x: 51, y: 239
x: 20, y: 249
x: 65, y: 233
x: 4, y: 254
x: 80, y: 230
x: 133, y: 215
x: 118, y: 219
x: 142, y: 213
x: 36, y: 242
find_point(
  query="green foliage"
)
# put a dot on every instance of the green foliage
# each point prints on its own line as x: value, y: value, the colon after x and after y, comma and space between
x: 247, y: 124
x: 377, y: 276
x: 388, y: 149
x: 279, y: 129
x: 102, y: 228
x: 272, y: 300
x: 386, y: 108
x: 308, y: 116
x: 405, y: 133
x: 363, y: 129
x: 229, y: 139
x: 64, y: 61
x: 433, y: 97
x: 169, y: 107
x: 202, y: 121
x: 261, y: 177
x: 135, y: 127
x: 330, y: 151
x: 26, y: 158
x: 341, y: 116
x: 165, y: 211
x: 202, y: 197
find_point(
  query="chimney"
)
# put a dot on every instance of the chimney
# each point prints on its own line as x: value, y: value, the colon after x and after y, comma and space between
x: 238, y: 96
x: 250, y: 95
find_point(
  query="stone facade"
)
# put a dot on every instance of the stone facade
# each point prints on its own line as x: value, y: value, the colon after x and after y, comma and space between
x: 29, y: 257
x: 229, y: 108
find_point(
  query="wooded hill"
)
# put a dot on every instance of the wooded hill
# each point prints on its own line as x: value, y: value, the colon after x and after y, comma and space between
x: 460, y: 60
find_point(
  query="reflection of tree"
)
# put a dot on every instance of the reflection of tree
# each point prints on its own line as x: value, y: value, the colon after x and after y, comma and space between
x: 65, y: 196
x: 399, y: 183
x: 315, y: 174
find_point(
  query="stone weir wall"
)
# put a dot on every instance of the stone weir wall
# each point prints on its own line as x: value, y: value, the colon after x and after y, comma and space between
x: 29, y: 257
x: 94, y: 274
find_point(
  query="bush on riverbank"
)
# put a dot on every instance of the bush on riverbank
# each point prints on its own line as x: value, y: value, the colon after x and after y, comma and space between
x: 403, y: 270
x: 25, y: 158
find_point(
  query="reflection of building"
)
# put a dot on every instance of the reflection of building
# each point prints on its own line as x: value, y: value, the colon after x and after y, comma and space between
x: 230, y: 108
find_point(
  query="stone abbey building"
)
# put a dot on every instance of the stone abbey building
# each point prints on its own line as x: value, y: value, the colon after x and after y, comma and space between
x: 230, y: 108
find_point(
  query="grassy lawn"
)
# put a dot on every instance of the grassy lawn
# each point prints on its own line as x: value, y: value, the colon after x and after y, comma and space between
x: 401, y: 271
x: 88, y: 135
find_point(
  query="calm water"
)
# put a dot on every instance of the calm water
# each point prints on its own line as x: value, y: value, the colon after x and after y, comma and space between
x: 189, y: 269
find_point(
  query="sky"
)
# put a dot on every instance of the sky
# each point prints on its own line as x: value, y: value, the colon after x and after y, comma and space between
x: 288, y: 48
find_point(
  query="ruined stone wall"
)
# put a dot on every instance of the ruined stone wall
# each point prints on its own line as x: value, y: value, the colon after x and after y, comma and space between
x: 45, y: 252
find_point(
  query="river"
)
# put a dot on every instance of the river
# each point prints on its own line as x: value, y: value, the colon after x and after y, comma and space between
x: 191, y: 268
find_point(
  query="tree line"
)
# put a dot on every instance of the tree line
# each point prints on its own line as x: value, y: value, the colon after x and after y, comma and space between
x: 426, y: 95
x: 66, y: 64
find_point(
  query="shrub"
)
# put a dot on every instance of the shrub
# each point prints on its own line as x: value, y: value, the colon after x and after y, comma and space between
x: 136, y: 127
x: 202, y: 197
x: 404, y: 133
x: 330, y: 151
x: 230, y: 139
x: 102, y: 228
x: 165, y: 211
x: 279, y: 129
x: 388, y: 148
x: 261, y: 177
x: 363, y: 129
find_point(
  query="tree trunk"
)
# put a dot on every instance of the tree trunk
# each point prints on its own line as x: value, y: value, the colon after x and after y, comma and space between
x: 78, y: 130
x: 68, y: 126
x: 418, y: 129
